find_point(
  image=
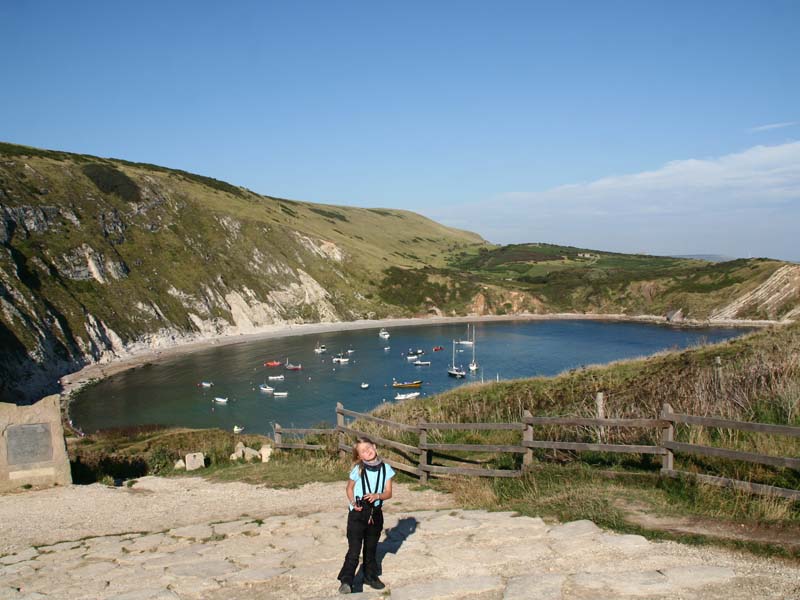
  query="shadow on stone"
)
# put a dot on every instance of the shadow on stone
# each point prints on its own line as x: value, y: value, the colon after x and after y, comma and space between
x: 395, y: 536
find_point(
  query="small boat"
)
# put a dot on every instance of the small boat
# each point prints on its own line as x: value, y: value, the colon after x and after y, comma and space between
x: 454, y: 371
x: 407, y: 384
x: 273, y: 363
x: 206, y: 384
x: 219, y: 400
x: 473, y: 366
x: 276, y: 378
x: 414, y: 353
x: 383, y: 334
x: 350, y: 350
x: 280, y: 394
x: 422, y: 363
x: 438, y: 348
x: 468, y: 341
x: 364, y: 385
x: 320, y: 348
x: 237, y: 429
x: 290, y: 367
x: 265, y: 388
x: 408, y: 396
x: 341, y: 359
x: 387, y: 348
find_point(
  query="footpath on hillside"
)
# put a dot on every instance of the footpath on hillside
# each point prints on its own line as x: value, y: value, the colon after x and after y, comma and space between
x: 190, y: 538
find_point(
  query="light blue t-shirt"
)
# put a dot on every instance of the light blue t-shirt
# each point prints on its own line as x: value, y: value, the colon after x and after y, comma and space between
x: 372, y: 481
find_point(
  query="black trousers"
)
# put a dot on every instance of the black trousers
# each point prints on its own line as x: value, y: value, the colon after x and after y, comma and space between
x: 361, y: 532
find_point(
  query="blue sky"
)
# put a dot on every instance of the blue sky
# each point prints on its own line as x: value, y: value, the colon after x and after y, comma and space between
x: 662, y: 127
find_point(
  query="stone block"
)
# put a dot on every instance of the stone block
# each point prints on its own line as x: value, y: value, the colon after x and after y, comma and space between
x: 195, y: 460
x: 250, y: 455
x: 32, y: 449
x: 266, y: 453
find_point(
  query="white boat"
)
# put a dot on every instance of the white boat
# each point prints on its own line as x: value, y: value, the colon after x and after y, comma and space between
x: 473, y: 366
x: 364, y: 385
x: 454, y: 371
x: 383, y: 334
x: 219, y: 400
x: 468, y: 341
x: 266, y: 389
x: 320, y: 348
x: 387, y: 348
x: 280, y: 394
x: 341, y: 359
x: 422, y: 363
x: 275, y: 377
x: 206, y: 384
x: 237, y: 429
x: 350, y: 351
x: 407, y: 396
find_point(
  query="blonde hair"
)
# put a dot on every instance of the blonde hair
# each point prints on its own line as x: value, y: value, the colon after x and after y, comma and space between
x: 356, y: 458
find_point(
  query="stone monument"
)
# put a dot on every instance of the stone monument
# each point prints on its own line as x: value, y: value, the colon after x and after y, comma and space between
x: 32, y: 449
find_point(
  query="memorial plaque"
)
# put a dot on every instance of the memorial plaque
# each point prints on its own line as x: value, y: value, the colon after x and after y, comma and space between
x: 29, y: 444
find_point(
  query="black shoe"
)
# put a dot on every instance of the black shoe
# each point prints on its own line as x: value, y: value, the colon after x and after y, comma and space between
x: 375, y: 584
x: 345, y: 588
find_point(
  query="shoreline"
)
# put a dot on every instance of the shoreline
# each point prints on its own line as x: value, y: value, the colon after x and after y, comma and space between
x: 73, y: 382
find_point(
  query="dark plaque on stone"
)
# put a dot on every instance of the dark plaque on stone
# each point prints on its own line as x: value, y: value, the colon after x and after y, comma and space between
x: 29, y: 443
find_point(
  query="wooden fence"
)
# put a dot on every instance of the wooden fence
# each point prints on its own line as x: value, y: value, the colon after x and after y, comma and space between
x: 420, y: 455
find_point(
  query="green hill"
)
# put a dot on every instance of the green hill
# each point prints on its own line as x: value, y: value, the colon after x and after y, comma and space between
x: 104, y: 256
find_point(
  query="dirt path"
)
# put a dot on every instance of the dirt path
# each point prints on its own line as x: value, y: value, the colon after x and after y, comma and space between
x: 190, y: 538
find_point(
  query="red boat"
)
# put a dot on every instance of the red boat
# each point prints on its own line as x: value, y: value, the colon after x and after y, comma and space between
x: 438, y: 348
x: 273, y: 363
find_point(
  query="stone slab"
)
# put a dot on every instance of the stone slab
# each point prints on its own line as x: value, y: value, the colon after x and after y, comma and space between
x: 472, y: 588
x: 194, y: 461
x: 546, y: 586
x: 32, y: 448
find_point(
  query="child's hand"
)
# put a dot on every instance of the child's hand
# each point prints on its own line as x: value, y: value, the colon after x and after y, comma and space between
x: 372, y: 497
x: 357, y: 508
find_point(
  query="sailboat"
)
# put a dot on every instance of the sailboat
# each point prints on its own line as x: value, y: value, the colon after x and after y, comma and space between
x: 468, y: 342
x: 473, y: 366
x: 454, y: 371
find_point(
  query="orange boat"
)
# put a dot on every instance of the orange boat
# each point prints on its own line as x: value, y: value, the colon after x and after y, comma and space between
x: 407, y: 384
x: 273, y: 363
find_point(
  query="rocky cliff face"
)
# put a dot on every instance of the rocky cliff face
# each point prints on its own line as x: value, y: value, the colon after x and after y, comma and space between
x: 100, y: 257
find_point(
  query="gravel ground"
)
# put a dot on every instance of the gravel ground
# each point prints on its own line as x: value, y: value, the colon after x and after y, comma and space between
x: 48, y: 516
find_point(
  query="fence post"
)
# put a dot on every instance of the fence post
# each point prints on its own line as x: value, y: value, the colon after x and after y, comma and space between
x: 424, y: 455
x: 600, y: 402
x: 667, y: 435
x: 339, y: 426
x: 278, y: 436
x: 527, y: 436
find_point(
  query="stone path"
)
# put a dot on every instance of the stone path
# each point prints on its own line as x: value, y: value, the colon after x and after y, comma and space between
x: 430, y: 554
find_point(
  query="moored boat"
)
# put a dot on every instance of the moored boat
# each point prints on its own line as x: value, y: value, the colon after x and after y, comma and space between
x: 341, y: 359
x: 421, y: 363
x: 280, y: 394
x: 276, y: 378
x: 237, y: 429
x: 384, y: 334
x: 407, y: 384
x: 273, y: 363
x: 265, y: 388
x: 454, y: 371
x: 408, y: 396
x: 290, y: 367
x: 206, y: 384
x: 364, y: 385
x: 219, y: 400
x: 438, y: 348
x: 320, y: 348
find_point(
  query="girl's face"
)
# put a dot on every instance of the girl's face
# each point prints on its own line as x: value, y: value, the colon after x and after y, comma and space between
x: 366, y: 451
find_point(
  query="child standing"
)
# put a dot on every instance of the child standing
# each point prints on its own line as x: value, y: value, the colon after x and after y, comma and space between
x: 370, y: 484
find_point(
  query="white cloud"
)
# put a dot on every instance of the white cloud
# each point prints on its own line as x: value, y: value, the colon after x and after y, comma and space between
x: 740, y: 204
x: 772, y: 126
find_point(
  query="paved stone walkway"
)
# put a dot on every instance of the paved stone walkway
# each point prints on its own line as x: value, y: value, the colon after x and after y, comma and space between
x: 430, y: 554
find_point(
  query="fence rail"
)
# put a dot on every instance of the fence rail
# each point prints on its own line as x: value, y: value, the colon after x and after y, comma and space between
x: 666, y: 423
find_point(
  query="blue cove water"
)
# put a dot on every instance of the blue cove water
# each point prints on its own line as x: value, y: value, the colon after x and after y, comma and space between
x: 167, y: 392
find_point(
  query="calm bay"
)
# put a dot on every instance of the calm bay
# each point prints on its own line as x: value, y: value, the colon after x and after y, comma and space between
x: 168, y: 392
